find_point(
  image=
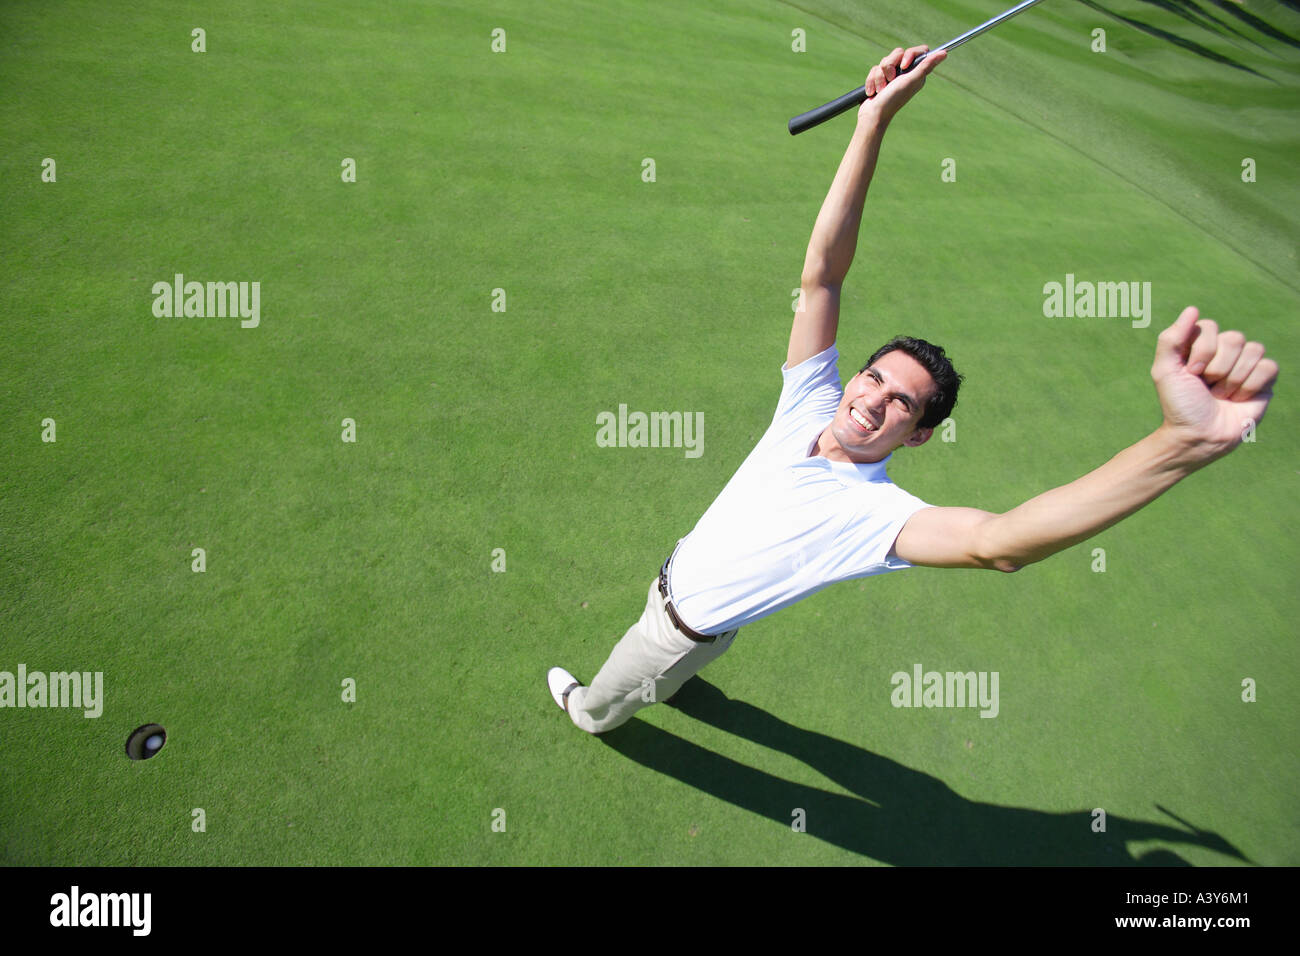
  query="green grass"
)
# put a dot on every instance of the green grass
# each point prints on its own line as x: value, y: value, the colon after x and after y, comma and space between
x: 476, y: 430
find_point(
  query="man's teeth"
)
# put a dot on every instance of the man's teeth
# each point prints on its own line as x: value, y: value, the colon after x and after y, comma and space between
x: 857, y: 417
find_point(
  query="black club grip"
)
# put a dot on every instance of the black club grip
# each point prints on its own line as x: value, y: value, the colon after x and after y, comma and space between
x: 835, y: 107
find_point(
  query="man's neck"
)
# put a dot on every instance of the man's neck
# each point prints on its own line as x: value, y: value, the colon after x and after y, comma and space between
x: 827, y: 447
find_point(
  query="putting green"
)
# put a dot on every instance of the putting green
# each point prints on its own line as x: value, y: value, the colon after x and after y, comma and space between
x: 372, y: 560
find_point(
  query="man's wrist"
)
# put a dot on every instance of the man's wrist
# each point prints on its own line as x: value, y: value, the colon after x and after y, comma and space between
x: 1175, y: 451
x: 871, y: 123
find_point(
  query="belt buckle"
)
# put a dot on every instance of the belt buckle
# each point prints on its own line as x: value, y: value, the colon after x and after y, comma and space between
x: 672, y: 611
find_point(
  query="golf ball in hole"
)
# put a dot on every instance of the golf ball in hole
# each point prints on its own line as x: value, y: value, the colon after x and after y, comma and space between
x: 146, y: 741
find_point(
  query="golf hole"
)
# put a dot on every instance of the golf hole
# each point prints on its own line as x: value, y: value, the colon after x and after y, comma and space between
x: 145, y: 741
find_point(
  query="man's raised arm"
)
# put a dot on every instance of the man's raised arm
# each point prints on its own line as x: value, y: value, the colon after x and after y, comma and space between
x: 835, y: 236
x: 1212, y: 385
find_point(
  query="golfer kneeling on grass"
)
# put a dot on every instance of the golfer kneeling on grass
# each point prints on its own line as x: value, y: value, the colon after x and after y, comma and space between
x: 812, y: 504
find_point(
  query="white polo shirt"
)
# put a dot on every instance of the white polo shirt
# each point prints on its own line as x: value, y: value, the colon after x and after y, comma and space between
x: 788, y: 525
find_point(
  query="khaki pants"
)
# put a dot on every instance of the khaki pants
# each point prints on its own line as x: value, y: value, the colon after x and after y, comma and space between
x: 650, y: 664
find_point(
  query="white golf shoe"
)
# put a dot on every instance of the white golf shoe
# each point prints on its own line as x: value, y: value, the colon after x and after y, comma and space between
x: 561, y: 682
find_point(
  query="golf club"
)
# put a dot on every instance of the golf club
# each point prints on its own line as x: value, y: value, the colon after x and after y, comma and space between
x: 837, y: 106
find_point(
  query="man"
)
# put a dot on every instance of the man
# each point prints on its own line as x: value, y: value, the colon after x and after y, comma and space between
x: 812, y: 504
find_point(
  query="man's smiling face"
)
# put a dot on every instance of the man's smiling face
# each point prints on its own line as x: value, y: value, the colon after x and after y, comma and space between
x: 881, y: 409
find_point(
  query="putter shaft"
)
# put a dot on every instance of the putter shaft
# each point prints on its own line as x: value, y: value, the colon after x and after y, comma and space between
x: 849, y: 100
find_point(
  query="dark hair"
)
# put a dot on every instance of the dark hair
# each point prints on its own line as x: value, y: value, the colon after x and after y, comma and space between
x: 933, y: 360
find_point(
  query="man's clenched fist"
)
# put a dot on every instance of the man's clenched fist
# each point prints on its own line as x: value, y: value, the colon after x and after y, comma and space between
x: 1212, y: 385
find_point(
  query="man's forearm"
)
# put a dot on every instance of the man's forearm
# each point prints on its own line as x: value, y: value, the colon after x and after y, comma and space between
x: 835, y: 236
x: 1062, y: 517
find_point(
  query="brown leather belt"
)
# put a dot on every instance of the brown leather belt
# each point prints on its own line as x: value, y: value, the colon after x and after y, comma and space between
x: 672, y: 611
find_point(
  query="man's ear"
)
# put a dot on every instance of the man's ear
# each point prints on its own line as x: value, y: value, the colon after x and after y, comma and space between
x: 918, y: 437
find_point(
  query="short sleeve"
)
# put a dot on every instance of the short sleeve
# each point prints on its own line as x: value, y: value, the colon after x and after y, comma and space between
x: 871, y: 534
x: 812, y: 387
x: 907, y: 506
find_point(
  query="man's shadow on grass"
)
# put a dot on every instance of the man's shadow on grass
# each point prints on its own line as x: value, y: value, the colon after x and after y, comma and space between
x: 898, y: 816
